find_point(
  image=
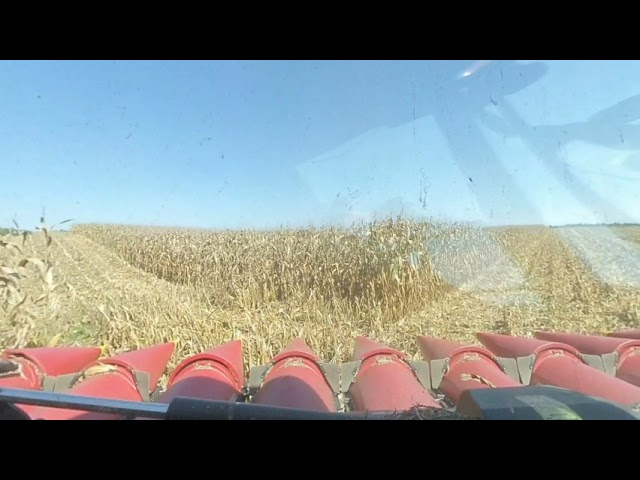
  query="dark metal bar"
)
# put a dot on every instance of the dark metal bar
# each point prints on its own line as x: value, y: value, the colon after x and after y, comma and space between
x: 179, y: 409
x: 77, y: 402
x: 186, y: 408
x: 197, y: 409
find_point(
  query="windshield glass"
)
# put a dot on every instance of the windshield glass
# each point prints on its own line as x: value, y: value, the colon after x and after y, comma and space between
x: 202, y: 202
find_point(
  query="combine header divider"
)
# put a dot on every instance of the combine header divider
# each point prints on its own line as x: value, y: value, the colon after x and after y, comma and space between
x: 506, y: 375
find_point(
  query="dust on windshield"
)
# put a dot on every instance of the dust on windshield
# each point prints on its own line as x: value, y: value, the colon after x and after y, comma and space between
x: 265, y: 201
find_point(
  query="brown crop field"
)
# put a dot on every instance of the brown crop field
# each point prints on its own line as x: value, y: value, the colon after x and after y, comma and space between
x: 124, y: 287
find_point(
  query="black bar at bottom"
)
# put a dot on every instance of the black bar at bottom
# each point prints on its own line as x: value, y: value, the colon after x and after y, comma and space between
x: 197, y: 409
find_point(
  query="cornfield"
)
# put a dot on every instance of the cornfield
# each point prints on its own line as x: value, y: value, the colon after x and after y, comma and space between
x: 123, y: 287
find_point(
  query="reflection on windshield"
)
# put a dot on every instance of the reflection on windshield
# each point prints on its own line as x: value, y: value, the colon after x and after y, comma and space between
x: 201, y: 202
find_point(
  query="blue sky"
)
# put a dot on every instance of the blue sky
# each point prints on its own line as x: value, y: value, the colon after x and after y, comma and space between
x: 263, y: 144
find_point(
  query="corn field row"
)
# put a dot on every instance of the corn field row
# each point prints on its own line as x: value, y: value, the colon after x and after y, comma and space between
x: 381, y: 266
x: 124, y: 287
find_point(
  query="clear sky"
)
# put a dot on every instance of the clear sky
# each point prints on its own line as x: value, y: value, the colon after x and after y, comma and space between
x: 262, y: 144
